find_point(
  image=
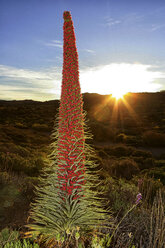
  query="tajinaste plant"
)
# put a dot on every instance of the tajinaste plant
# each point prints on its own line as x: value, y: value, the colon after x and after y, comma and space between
x: 70, y: 145
x: 66, y: 202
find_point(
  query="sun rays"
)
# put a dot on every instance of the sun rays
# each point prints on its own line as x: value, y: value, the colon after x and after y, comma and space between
x: 112, y: 110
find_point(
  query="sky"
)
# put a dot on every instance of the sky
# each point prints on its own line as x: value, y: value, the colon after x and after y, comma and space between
x: 120, y: 45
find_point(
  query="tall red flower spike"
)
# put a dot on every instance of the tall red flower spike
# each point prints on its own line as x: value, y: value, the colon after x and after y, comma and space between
x: 66, y: 198
x: 70, y: 145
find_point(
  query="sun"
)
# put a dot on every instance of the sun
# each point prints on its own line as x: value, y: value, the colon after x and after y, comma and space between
x: 119, y: 78
x: 118, y: 95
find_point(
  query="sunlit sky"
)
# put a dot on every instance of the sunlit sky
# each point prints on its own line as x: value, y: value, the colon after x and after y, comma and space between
x: 120, y: 45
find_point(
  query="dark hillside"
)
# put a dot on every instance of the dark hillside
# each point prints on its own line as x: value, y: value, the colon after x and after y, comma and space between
x: 128, y: 135
x: 138, y: 120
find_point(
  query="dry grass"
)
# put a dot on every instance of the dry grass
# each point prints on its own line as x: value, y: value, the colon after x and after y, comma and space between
x: 157, y: 223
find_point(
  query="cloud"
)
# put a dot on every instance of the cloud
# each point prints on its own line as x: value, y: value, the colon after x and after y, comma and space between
x: 114, y: 77
x: 29, y: 84
x: 156, y: 27
x: 89, y: 51
x: 57, y: 41
x: 132, y: 18
x: 12, y: 72
x: 128, y: 19
x: 44, y: 85
x: 111, y: 22
x: 54, y: 43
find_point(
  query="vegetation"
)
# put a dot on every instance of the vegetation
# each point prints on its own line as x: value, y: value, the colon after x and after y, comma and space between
x: 129, y: 142
x: 24, y: 149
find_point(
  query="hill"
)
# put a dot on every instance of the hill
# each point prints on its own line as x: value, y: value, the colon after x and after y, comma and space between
x: 128, y: 136
x: 137, y: 120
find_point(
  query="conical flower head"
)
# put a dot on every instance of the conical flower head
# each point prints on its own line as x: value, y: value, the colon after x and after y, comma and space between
x: 71, y: 134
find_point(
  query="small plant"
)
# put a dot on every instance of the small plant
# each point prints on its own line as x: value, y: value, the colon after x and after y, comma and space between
x: 7, y: 235
x: 109, y: 238
x: 120, y: 194
x: 148, y: 188
x: 124, y: 168
x: 18, y: 244
x: 98, y: 242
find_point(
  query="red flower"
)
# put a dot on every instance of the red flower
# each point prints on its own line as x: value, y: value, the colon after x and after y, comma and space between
x: 71, y: 134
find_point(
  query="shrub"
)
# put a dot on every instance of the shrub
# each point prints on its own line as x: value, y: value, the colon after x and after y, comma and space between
x: 11, y: 161
x: 4, y: 177
x: 162, y: 156
x: 14, y: 162
x: 141, y: 153
x: 101, y: 153
x: 128, y: 139
x: 20, y: 125
x: 148, y: 189
x: 21, y: 244
x: 147, y: 163
x: 9, y: 194
x: 152, y: 138
x: 121, y: 137
x: 28, y: 185
x: 157, y: 173
x: 124, y: 168
x: 119, y: 150
x: 120, y: 194
x: 160, y: 163
x: 7, y: 236
x: 40, y: 127
x: 22, y: 151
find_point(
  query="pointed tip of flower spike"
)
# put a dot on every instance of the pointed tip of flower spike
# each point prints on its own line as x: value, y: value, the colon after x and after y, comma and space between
x: 67, y: 15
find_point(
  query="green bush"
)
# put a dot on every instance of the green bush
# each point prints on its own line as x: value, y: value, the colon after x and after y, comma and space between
x: 21, y: 244
x: 141, y: 153
x: 7, y: 236
x: 160, y: 163
x: 124, y: 168
x: 28, y: 186
x: 40, y: 127
x: 4, y: 178
x: 148, y: 189
x: 158, y: 174
x: 9, y: 194
x: 152, y: 138
x: 102, y: 132
x: 145, y: 163
x: 22, y: 151
x: 162, y: 156
x: 20, y: 125
x: 148, y: 163
x: 14, y: 162
x: 9, y: 239
x: 128, y: 139
x: 121, y: 150
x: 121, y: 137
x: 120, y: 194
